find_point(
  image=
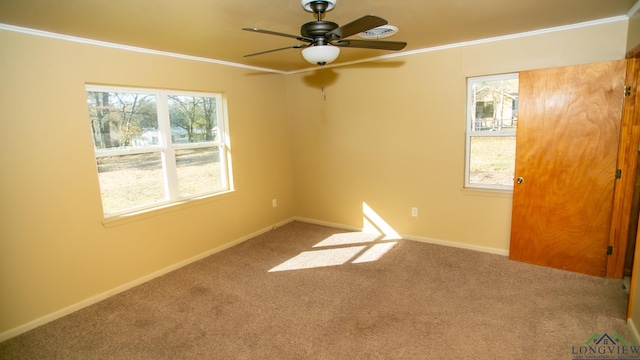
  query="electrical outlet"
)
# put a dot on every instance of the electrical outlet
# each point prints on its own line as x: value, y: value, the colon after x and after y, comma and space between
x: 274, y: 202
x: 414, y: 211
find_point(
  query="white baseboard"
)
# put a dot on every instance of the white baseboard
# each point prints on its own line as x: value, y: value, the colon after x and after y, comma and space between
x: 485, y: 249
x: 459, y: 245
x: 329, y: 224
x: 634, y: 331
x: 99, y: 297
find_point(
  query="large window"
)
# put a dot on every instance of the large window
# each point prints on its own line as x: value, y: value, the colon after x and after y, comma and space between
x: 155, y: 147
x: 492, y: 116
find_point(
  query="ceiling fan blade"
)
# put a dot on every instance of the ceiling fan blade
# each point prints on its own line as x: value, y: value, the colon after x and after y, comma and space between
x: 272, y: 50
x: 371, y: 44
x: 269, y: 32
x: 365, y: 23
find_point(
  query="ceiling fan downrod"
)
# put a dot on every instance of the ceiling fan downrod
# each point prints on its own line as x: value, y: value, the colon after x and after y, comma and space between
x: 319, y: 8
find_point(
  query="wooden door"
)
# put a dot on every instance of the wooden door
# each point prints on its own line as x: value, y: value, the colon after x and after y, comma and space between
x: 566, y: 149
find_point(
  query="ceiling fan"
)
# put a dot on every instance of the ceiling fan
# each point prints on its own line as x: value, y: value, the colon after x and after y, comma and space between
x: 325, y: 38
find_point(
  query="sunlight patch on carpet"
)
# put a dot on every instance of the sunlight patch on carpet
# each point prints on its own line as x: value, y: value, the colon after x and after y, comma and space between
x: 319, y: 258
x: 376, y: 239
x: 375, y: 252
x: 349, y: 238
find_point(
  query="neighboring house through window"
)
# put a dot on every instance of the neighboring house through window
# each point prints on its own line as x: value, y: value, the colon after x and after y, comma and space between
x: 492, y: 117
x: 156, y: 147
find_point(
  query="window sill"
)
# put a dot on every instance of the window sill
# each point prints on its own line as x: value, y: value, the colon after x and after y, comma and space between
x: 506, y: 194
x: 138, y: 215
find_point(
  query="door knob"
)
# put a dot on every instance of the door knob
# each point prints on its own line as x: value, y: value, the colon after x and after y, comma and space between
x: 520, y: 180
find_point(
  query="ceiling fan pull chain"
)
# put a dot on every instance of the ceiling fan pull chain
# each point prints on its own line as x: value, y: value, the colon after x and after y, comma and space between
x: 324, y: 94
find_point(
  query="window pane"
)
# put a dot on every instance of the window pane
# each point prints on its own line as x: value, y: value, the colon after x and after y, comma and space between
x: 156, y: 147
x: 492, y: 160
x: 129, y: 181
x: 494, y: 105
x: 193, y: 119
x: 199, y: 171
x: 123, y: 120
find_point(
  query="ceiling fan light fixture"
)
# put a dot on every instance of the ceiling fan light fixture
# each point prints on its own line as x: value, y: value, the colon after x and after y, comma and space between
x: 320, y: 54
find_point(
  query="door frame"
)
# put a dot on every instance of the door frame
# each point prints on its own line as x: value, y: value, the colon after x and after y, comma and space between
x: 633, y: 107
x: 627, y: 165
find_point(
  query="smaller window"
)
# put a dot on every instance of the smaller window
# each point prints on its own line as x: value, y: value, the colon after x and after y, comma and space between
x: 492, y: 118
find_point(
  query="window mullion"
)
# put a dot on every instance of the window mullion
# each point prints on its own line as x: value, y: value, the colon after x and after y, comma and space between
x: 221, y: 139
x: 491, y: 134
x: 168, y: 150
x: 116, y: 152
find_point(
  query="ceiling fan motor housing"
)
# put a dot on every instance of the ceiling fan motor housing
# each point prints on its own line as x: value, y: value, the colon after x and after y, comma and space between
x: 317, y: 30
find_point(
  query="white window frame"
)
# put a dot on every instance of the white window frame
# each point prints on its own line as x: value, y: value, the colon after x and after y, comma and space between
x: 167, y: 149
x: 470, y: 133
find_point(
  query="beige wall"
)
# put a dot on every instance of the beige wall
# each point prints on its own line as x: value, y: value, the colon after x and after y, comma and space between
x: 633, y: 33
x: 54, y: 250
x: 391, y: 134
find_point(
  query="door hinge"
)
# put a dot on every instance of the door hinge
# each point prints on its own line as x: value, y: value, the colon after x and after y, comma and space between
x: 609, y: 250
x: 627, y: 91
x: 618, y: 173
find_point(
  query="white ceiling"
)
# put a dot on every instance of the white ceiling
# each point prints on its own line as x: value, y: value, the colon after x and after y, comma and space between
x: 212, y: 28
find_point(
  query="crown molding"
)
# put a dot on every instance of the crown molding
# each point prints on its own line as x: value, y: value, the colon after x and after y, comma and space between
x: 634, y: 9
x: 76, y: 39
x: 41, y: 33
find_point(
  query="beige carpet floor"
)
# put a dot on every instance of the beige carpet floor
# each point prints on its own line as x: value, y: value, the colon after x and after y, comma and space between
x: 305, y: 291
